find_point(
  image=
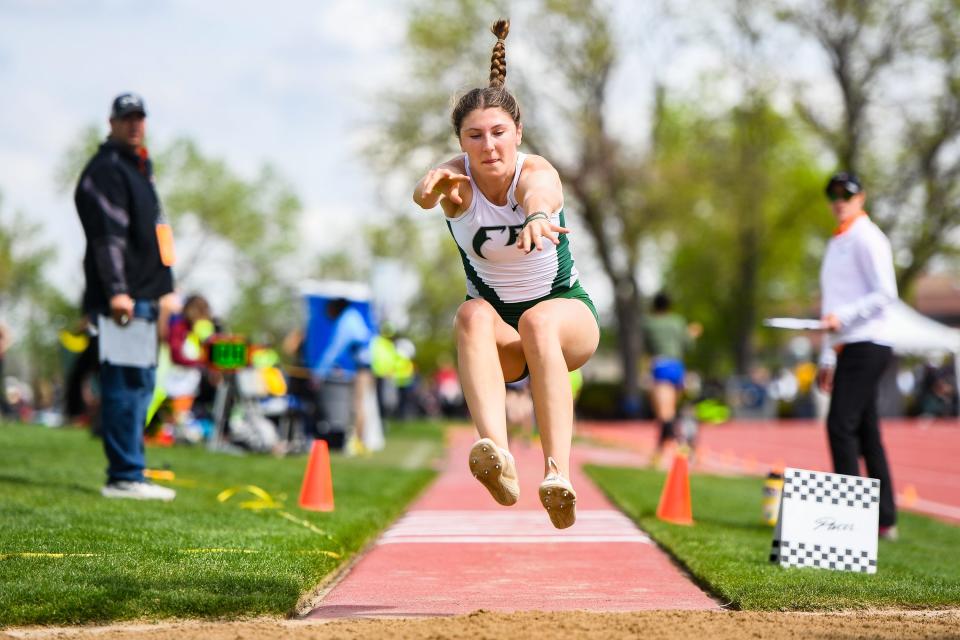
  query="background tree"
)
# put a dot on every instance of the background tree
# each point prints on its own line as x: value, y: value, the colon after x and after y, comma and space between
x: 877, y: 52
x: 255, y: 220
x: 753, y: 192
x: 435, y: 264
x: 33, y: 309
x: 242, y: 230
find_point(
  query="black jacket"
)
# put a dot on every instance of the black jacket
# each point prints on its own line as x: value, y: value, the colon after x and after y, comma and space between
x: 119, y: 210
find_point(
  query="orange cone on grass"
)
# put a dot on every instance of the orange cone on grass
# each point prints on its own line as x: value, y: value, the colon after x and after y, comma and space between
x: 316, y: 494
x: 674, y: 504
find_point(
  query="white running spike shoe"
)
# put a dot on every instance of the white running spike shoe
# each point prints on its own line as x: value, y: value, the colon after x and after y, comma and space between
x: 496, y: 470
x: 558, y: 497
x: 137, y: 491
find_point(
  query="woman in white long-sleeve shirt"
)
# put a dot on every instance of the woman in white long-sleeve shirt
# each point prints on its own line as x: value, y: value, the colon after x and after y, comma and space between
x: 857, y: 284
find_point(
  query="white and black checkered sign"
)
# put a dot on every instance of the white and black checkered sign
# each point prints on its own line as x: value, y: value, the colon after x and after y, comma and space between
x: 827, y: 520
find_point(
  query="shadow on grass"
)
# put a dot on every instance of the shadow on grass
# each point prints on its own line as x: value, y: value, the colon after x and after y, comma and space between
x: 47, y: 484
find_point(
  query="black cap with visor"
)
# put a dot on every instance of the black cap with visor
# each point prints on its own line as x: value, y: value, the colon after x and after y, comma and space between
x: 843, y: 186
x: 126, y: 104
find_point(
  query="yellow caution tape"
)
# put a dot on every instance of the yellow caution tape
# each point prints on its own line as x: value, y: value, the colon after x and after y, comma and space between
x: 263, y: 499
x: 219, y: 550
x: 37, y: 554
x: 33, y: 554
x: 159, y: 474
x: 321, y: 552
x: 305, y: 523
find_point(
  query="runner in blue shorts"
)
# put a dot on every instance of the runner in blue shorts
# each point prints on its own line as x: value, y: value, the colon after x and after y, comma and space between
x: 525, y: 309
x: 667, y: 336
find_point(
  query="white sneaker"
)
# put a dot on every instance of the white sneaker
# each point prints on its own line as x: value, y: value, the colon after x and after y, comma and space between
x: 558, y: 497
x: 137, y: 491
x: 496, y: 470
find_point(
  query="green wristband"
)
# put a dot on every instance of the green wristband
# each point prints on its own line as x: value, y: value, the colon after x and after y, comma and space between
x: 538, y: 215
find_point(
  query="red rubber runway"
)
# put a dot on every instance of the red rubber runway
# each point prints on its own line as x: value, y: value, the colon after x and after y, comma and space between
x: 923, y: 454
x: 457, y: 551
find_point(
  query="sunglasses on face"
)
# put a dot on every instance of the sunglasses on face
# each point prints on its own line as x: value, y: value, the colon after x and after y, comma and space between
x: 839, y: 194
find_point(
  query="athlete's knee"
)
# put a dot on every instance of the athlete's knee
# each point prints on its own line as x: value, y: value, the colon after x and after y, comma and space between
x: 537, y: 328
x: 474, y: 315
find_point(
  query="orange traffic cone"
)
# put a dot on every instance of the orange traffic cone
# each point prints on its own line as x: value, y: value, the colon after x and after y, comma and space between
x: 674, y: 504
x: 316, y: 494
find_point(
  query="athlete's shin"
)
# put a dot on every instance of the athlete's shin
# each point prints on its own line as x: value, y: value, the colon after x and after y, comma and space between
x: 481, y: 375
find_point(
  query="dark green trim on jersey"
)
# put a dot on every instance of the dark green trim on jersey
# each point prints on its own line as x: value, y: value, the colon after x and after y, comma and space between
x: 559, y: 288
x: 510, y: 312
x: 564, y: 262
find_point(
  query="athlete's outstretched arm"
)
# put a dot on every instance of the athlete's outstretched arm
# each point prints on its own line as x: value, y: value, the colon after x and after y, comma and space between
x: 541, y: 194
x: 445, y: 184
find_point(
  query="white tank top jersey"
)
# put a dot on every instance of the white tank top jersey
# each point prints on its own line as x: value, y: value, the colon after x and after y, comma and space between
x: 496, y: 270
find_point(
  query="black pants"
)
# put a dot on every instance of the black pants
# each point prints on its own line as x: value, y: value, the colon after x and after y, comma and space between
x: 853, y: 424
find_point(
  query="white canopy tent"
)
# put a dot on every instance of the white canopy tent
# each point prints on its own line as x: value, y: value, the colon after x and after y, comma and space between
x: 915, y: 334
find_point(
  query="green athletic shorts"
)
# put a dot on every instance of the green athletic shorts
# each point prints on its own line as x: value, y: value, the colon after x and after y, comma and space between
x: 510, y: 312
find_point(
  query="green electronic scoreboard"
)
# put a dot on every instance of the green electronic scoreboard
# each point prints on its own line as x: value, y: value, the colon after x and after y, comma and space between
x: 228, y: 353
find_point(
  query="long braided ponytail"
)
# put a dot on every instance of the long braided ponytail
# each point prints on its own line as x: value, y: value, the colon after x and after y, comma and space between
x: 495, y: 94
x: 498, y: 62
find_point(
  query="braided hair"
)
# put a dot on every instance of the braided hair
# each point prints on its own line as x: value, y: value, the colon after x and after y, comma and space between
x: 498, y: 62
x: 495, y: 94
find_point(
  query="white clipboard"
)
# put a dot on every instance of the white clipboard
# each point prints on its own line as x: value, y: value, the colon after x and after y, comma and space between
x: 133, y: 345
x: 797, y: 324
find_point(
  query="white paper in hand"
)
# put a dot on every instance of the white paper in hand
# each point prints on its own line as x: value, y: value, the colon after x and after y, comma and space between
x: 134, y: 345
x: 793, y: 323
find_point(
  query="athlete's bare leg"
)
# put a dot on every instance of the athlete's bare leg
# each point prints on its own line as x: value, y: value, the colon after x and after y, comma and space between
x: 558, y: 336
x: 361, y: 384
x: 664, y: 396
x: 489, y: 354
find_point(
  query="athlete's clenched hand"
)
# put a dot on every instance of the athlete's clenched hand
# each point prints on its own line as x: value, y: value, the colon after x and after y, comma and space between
x: 444, y: 183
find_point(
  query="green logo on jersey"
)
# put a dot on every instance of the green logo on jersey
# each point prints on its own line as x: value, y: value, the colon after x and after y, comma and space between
x: 481, y: 236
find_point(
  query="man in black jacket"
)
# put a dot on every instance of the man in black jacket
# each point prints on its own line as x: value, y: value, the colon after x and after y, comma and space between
x: 127, y: 269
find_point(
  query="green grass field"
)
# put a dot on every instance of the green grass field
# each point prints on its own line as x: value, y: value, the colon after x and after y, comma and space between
x: 727, y: 550
x: 196, y: 556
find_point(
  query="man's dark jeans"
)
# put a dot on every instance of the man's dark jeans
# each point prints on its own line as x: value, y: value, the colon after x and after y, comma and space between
x: 125, y: 395
x: 853, y: 424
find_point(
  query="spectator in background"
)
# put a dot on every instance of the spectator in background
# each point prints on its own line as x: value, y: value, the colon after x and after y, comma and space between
x: 80, y: 402
x: 127, y: 268
x: 348, y: 357
x: 667, y: 336
x: 188, y: 383
x: 937, y: 395
x: 521, y: 422
x: 857, y: 284
x: 5, y: 409
x: 301, y: 387
x: 405, y: 377
x: 447, y: 383
x: 383, y: 357
x: 188, y: 329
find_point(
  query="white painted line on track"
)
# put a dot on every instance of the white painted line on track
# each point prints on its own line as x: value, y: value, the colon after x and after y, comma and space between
x: 489, y: 539
x: 738, y: 465
x: 516, y: 527
x: 936, y: 508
